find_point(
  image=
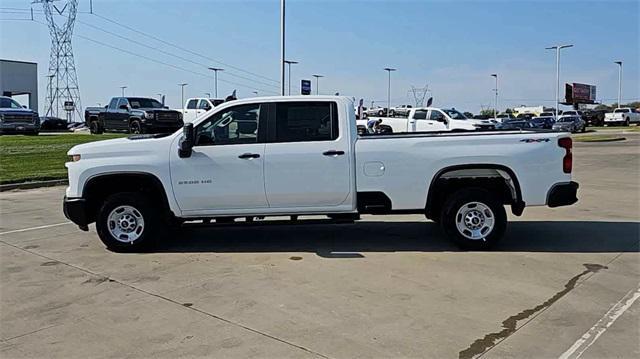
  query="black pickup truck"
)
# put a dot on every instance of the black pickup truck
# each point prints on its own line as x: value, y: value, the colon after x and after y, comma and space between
x: 133, y: 115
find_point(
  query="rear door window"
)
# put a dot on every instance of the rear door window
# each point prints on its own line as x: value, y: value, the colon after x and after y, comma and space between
x: 306, y: 121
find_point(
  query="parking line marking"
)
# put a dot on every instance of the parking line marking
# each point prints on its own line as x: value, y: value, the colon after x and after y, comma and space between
x: 34, y: 228
x: 590, y: 337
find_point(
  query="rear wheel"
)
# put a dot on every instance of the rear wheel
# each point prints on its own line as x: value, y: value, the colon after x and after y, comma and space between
x: 129, y: 222
x: 473, y: 218
x: 626, y: 122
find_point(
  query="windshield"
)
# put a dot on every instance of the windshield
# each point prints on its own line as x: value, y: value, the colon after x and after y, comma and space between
x: 567, y: 119
x: 621, y: 110
x: 454, y: 114
x: 9, y: 103
x: 144, y: 103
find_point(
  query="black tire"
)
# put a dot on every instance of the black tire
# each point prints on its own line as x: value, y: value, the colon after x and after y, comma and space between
x: 135, y: 127
x: 463, y: 201
x: 147, y: 231
x: 94, y: 127
x: 626, y: 122
x: 392, y: 113
x: 380, y: 113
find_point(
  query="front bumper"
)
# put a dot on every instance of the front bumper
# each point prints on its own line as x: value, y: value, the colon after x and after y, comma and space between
x: 562, y: 194
x: 18, y: 127
x: 75, y: 210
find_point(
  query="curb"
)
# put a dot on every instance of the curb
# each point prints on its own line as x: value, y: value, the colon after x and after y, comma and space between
x: 603, y: 140
x: 32, y: 185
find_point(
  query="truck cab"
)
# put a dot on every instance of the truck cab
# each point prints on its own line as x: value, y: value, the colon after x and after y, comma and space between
x: 194, y: 107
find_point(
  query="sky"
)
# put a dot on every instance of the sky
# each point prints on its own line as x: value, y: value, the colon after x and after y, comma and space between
x: 451, y: 46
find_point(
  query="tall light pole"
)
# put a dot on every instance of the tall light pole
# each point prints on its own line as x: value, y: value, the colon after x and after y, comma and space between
x: 282, y: 45
x: 619, y: 82
x: 123, y: 88
x: 289, y: 63
x: 215, y: 78
x: 389, y: 69
x: 495, y: 110
x: 182, y: 85
x: 558, y: 48
x: 50, y: 90
x: 317, y: 81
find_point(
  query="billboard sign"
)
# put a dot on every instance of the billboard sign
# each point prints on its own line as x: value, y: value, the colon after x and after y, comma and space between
x: 580, y: 93
x: 305, y: 87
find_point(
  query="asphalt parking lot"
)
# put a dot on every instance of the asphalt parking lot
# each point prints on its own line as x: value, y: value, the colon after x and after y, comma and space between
x: 561, y: 284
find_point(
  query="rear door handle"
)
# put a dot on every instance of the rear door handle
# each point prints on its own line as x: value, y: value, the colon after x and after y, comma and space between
x: 333, y: 153
x: 248, y: 156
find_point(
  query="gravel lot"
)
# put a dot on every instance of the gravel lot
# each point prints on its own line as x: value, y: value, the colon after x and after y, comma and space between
x: 384, y: 287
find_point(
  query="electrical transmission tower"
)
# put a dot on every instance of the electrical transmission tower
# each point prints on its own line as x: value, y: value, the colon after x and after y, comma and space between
x: 63, y: 94
x: 419, y: 94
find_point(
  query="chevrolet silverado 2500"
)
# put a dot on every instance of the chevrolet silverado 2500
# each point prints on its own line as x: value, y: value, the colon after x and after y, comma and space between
x: 301, y: 155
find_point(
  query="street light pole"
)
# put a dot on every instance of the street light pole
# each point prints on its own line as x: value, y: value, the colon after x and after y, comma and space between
x: 282, y: 45
x: 558, y: 48
x: 389, y: 69
x: 122, y: 88
x: 182, y: 85
x: 495, y: 110
x: 317, y: 81
x: 215, y: 78
x: 289, y: 63
x: 619, y: 82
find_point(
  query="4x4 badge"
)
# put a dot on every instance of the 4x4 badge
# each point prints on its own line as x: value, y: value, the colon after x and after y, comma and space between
x: 534, y: 140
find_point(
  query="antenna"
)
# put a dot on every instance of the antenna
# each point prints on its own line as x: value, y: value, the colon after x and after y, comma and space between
x: 63, y: 91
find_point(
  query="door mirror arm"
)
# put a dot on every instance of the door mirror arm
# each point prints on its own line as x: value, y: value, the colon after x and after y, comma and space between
x: 185, y: 145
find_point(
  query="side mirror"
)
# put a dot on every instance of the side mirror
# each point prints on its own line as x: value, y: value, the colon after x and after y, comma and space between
x: 123, y: 107
x: 185, y: 146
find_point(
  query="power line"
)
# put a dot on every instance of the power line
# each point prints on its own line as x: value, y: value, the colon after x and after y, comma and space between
x: 171, y: 54
x: 182, y: 48
x: 165, y: 63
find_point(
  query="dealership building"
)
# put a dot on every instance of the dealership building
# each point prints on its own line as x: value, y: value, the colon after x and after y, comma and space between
x: 20, y: 78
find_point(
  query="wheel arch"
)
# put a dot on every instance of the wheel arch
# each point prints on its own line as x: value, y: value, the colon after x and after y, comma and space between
x: 468, y: 173
x: 97, y: 188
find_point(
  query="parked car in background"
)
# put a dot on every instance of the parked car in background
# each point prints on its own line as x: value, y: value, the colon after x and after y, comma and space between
x: 376, y: 111
x: 502, y: 117
x: 232, y: 164
x: 402, y: 110
x: 517, y: 124
x: 195, y: 107
x: 53, y: 124
x: 428, y: 119
x: 622, y: 116
x: 570, y: 124
x: 594, y: 117
x: 17, y: 119
x: 133, y: 115
x: 571, y: 113
x: 547, y: 114
x: 542, y: 122
x: 525, y: 116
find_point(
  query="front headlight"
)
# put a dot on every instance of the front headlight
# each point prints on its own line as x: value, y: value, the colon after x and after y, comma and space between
x: 1, y: 117
x: 148, y: 115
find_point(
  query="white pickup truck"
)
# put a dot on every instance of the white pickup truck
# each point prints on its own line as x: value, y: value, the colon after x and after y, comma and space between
x: 195, y: 107
x: 301, y: 155
x: 622, y: 116
x: 429, y: 119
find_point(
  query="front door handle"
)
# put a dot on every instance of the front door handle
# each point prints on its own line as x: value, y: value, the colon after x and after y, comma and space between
x: 248, y: 156
x: 333, y: 153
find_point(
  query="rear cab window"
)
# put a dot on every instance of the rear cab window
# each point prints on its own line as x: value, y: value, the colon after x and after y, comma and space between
x: 306, y: 121
x: 192, y: 104
x: 621, y: 110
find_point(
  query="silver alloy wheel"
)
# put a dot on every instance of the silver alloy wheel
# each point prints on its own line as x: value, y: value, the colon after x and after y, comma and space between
x: 475, y: 220
x: 125, y: 224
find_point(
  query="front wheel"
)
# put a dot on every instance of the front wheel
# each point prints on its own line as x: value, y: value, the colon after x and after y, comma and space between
x: 94, y: 128
x: 129, y: 222
x: 626, y: 122
x: 474, y: 219
x: 135, y: 127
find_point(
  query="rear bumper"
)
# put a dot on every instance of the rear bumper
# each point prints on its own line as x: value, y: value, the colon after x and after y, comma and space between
x: 562, y: 194
x: 75, y: 210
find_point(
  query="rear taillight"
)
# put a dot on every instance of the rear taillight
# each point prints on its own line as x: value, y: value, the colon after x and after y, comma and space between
x: 567, y: 160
